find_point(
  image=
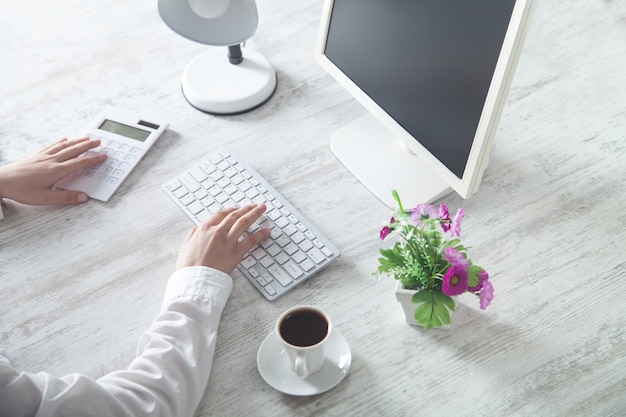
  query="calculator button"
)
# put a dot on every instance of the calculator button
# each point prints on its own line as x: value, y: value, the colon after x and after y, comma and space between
x: 112, y: 162
x: 112, y: 180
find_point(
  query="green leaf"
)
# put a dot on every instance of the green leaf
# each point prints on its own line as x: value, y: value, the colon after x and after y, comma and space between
x: 434, y: 308
x: 396, y: 197
x: 472, y: 275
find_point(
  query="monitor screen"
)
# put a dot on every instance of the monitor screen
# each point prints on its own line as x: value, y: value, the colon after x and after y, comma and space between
x: 434, y: 73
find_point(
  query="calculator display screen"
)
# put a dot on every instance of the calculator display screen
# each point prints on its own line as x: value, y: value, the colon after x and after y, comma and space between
x: 124, y: 130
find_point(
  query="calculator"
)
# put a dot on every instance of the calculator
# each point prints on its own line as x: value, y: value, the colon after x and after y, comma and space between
x: 125, y: 137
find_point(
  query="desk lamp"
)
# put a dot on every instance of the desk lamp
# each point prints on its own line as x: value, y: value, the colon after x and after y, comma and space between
x: 214, y: 81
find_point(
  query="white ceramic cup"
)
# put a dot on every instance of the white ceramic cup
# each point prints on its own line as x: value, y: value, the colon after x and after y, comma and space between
x: 303, y: 330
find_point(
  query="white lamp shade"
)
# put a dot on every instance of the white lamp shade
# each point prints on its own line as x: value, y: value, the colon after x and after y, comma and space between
x: 236, y: 25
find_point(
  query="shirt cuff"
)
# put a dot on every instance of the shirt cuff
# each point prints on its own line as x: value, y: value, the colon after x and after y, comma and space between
x: 198, y: 282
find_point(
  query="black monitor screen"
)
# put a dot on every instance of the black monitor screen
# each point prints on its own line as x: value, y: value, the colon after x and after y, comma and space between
x: 427, y: 63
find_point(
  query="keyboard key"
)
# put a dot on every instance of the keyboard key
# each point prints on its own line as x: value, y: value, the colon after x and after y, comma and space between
x: 293, y: 269
x: 317, y: 256
x: 280, y: 275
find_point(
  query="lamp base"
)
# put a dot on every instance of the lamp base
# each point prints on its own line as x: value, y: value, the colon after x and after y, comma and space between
x: 213, y: 85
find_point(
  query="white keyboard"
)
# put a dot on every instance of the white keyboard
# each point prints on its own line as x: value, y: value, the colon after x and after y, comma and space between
x: 295, y: 250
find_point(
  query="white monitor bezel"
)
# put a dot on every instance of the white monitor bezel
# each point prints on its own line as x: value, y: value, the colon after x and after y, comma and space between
x: 496, y: 98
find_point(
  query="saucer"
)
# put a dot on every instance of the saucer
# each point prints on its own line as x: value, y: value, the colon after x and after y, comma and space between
x: 274, y: 367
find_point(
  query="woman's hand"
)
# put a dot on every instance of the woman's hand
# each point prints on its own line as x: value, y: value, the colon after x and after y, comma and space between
x: 31, y: 180
x: 216, y: 242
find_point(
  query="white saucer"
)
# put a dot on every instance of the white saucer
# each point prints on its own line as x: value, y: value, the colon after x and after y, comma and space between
x: 273, y: 365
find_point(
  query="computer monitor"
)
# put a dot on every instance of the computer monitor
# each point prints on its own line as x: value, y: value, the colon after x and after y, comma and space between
x: 434, y: 76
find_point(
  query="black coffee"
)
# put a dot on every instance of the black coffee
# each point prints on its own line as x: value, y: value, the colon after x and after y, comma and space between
x: 304, y: 327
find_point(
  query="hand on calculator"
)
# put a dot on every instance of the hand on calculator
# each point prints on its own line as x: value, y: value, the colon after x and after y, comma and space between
x: 31, y: 180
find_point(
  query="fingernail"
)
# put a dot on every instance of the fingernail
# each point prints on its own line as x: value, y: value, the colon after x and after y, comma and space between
x: 82, y: 198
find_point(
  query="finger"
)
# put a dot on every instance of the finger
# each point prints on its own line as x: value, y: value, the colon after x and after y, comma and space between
x: 217, y: 218
x: 57, y: 144
x: 63, y: 197
x: 75, y: 147
x: 248, y: 216
x: 83, y: 162
x: 62, y: 144
x: 252, y: 240
x: 231, y: 226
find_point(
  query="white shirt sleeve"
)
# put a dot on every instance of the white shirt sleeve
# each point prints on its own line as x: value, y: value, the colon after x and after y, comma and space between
x: 167, y: 378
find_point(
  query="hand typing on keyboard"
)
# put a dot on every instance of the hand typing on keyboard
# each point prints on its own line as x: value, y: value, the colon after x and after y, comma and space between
x: 294, y: 251
x: 227, y: 227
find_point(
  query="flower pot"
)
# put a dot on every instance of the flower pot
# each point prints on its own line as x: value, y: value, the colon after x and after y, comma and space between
x: 404, y: 297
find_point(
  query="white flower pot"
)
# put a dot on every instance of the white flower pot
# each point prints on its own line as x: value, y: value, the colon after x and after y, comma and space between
x: 404, y: 297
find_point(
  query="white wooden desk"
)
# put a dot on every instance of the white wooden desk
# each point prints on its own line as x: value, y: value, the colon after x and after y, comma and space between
x: 78, y: 285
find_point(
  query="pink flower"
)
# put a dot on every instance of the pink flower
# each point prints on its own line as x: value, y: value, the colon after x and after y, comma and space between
x: 455, y: 228
x: 486, y: 294
x: 455, y: 257
x: 454, y: 281
x: 423, y: 212
x: 482, y: 277
x: 443, y: 212
x: 384, y: 232
x: 444, y: 217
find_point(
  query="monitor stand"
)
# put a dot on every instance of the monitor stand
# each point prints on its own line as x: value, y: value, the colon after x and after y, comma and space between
x: 381, y: 162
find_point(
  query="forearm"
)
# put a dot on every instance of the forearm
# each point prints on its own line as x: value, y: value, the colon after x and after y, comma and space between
x: 174, y: 357
x: 167, y: 378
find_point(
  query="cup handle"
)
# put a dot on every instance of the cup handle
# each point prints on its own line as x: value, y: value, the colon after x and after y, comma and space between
x: 300, y: 366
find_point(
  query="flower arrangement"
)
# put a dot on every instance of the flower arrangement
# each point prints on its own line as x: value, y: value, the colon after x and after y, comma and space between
x: 425, y: 259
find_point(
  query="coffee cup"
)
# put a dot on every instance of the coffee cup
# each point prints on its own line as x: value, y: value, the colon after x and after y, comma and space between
x: 303, y: 330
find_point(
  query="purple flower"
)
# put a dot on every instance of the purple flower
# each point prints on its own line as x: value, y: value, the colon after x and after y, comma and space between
x: 454, y: 281
x: 486, y: 294
x: 384, y: 232
x: 423, y: 212
x: 455, y: 228
x: 443, y: 212
x: 455, y: 257
x: 444, y: 217
x: 482, y: 277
